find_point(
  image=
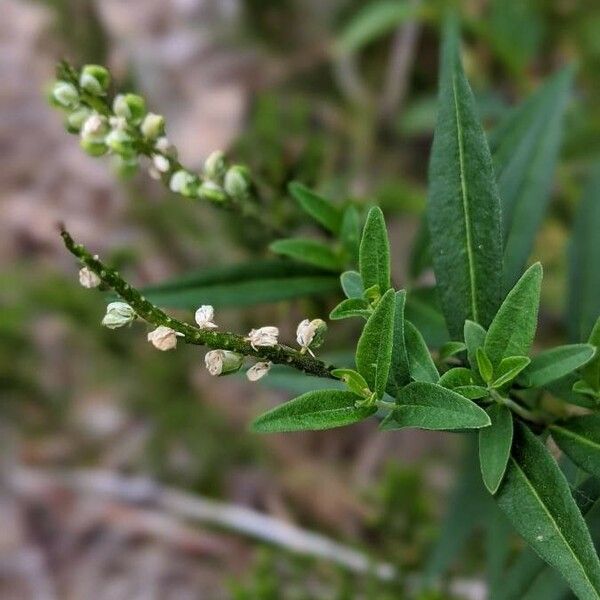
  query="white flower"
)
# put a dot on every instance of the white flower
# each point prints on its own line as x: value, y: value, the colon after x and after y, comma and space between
x: 204, y: 317
x: 258, y: 371
x: 152, y: 126
x: 88, y: 279
x: 163, y: 145
x: 164, y: 338
x: 94, y: 127
x: 264, y: 336
x: 118, y: 314
x: 310, y: 333
x: 161, y: 163
x: 222, y: 362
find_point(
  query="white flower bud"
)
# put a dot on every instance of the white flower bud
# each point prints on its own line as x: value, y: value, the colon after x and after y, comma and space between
x: 183, y: 182
x: 131, y: 107
x: 164, y: 338
x: 152, y: 126
x: 164, y: 146
x: 161, y: 163
x: 77, y: 118
x: 118, y: 314
x: 310, y: 334
x: 88, y: 279
x: 222, y: 362
x: 204, y: 317
x: 119, y: 141
x: 258, y: 371
x: 119, y: 123
x: 94, y: 79
x: 263, y: 336
x: 94, y: 128
x: 215, y: 167
x: 212, y: 192
x: 65, y: 94
x: 237, y: 182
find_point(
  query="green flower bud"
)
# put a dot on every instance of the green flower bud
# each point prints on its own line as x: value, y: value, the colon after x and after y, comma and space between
x: 184, y: 183
x: 125, y: 166
x: 237, y: 182
x: 118, y: 314
x: 212, y: 192
x: 93, y: 148
x: 120, y: 142
x: 153, y: 126
x: 129, y: 106
x: 215, y: 167
x: 94, y: 128
x: 77, y: 118
x: 222, y: 362
x: 94, y: 79
x: 65, y: 94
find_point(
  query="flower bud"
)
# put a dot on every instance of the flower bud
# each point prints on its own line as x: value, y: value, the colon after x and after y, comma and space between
x: 77, y: 118
x: 118, y: 314
x: 204, y: 317
x: 164, y: 338
x: 120, y: 142
x: 161, y: 163
x: 263, y: 336
x: 88, y: 279
x: 184, y: 183
x: 125, y: 166
x: 237, y: 182
x: 94, y: 79
x: 310, y: 334
x: 94, y: 128
x: 212, y: 192
x: 153, y: 126
x: 222, y: 362
x: 65, y: 94
x: 93, y: 148
x: 215, y: 167
x: 129, y: 106
x: 258, y: 371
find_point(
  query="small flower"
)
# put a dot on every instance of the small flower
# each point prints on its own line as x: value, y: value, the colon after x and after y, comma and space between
x: 164, y: 146
x: 94, y: 79
x: 65, y: 94
x: 211, y: 191
x: 215, y: 167
x: 160, y: 163
x: 258, y: 371
x: 237, y: 182
x: 222, y: 362
x: 131, y: 107
x: 94, y: 128
x: 310, y: 334
x: 204, y: 317
x: 88, y: 279
x: 164, y: 338
x: 118, y: 314
x: 119, y: 141
x: 152, y: 126
x: 183, y: 182
x: 264, y: 336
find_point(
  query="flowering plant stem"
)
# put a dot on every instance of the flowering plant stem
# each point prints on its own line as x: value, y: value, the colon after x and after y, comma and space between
x: 278, y: 354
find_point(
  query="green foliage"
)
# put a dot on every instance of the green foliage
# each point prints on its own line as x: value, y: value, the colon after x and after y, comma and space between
x: 556, y: 363
x: 320, y: 209
x: 308, y: 251
x: 509, y: 368
x: 374, y: 258
x: 494, y: 446
x: 579, y: 439
x: 420, y: 363
x: 352, y: 284
x: 399, y: 375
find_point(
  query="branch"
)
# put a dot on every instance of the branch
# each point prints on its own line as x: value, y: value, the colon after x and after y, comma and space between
x: 278, y: 354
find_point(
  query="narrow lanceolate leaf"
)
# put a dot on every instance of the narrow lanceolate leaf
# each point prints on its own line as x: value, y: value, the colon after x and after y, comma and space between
x: 584, y: 274
x: 352, y: 284
x: 591, y: 371
x: 513, y: 328
x: 351, y: 307
x: 450, y: 349
x: 536, y: 498
x: 474, y: 338
x: 463, y: 208
x: 429, y: 406
x: 509, y: 368
x: 374, y: 258
x: 374, y: 349
x: 420, y: 362
x: 320, y: 209
x: 525, y: 148
x: 307, y: 251
x: 322, y: 409
x: 494, y: 446
x: 579, y: 439
x: 556, y: 363
x: 350, y: 234
x: 399, y: 375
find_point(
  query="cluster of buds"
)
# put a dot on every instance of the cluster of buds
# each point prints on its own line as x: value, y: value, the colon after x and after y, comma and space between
x: 126, y: 130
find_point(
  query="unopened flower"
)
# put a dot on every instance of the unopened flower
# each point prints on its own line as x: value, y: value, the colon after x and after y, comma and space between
x: 215, y: 167
x: 152, y: 126
x: 310, y: 334
x: 204, y: 317
x: 131, y: 107
x: 94, y: 79
x: 119, y: 123
x: 222, y: 362
x: 258, y: 371
x: 160, y: 163
x: 77, y: 118
x: 263, y: 336
x: 94, y: 128
x: 88, y: 279
x: 65, y: 94
x: 119, y: 141
x: 164, y: 338
x: 118, y: 314
x: 237, y: 182
x: 183, y: 182
x: 164, y: 146
x: 211, y: 191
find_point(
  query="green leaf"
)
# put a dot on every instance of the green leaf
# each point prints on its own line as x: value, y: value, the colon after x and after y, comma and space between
x: 512, y: 331
x: 591, y: 371
x: 374, y: 257
x: 374, y: 349
x: 584, y: 274
x: 355, y: 381
x: 450, y: 349
x: 459, y: 376
x: 494, y: 446
x: 352, y: 284
x: 430, y: 406
x: 463, y: 208
x: 420, y: 253
x: 307, y: 251
x: 565, y: 389
x: 423, y: 310
x: 536, y: 498
x: 509, y: 368
x: 474, y: 338
x: 553, y: 364
x: 244, y: 284
x: 350, y: 234
x: 321, y: 409
x: 579, y: 439
x: 525, y: 148
x: 374, y: 20
x: 320, y: 209
x: 399, y: 375
x: 351, y: 307
x: 472, y: 392
x: 420, y: 363
x: 484, y: 365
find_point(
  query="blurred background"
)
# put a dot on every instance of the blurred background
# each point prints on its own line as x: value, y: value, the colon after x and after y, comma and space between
x: 122, y: 468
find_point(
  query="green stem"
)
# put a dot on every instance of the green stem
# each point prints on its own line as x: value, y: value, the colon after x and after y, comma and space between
x: 279, y: 354
x: 517, y: 408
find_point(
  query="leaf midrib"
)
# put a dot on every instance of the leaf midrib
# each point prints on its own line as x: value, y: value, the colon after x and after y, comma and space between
x: 555, y: 524
x: 465, y: 202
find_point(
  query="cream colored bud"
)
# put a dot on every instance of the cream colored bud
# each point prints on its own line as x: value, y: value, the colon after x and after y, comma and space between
x: 94, y: 128
x: 119, y: 123
x: 310, y: 334
x: 119, y: 141
x: 164, y: 338
x: 118, y: 314
x: 258, y: 371
x: 215, y: 167
x: 65, y: 94
x: 152, y: 126
x: 88, y: 279
x: 161, y: 163
x: 94, y: 79
x: 263, y: 336
x: 237, y: 182
x: 222, y: 362
x: 129, y: 106
x: 183, y: 182
x: 204, y: 317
